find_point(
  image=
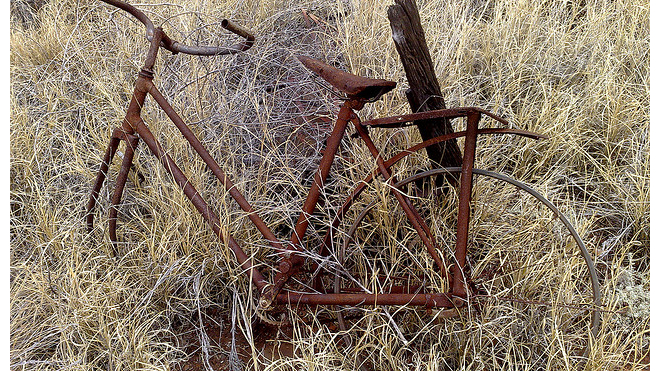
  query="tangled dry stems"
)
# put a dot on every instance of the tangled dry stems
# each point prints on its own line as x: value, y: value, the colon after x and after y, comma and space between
x: 575, y: 71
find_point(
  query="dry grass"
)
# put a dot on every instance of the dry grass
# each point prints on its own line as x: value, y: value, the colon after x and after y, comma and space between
x: 577, y: 71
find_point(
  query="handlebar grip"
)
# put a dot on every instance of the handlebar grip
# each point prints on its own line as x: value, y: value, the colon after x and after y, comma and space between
x: 240, y: 31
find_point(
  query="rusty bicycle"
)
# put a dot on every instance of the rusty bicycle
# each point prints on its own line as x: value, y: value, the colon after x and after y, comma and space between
x: 390, y: 242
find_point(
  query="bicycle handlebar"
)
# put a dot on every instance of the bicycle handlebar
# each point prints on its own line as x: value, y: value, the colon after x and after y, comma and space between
x: 177, y: 47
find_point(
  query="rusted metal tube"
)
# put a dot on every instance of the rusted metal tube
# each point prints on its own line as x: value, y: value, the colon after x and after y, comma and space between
x: 289, y: 264
x: 135, y: 106
x: 177, y: 47
x: 122, y: 177
x: 396, y: 158
x: 398, y: 121
x: 100, y: 178
x: 202, y: 207
x: 133, y: 123
x: 417, y: 222
x: 464, y: 199
x: 154, y: 46
x: 409, y: 289
x: 135, y: 12
x: 522, y: 133
x: 424, y: 300
x: 333, y: 142
x: 326, y: 246
x: 127, y: 130
x: 214, y: 167
x: 240, y: 31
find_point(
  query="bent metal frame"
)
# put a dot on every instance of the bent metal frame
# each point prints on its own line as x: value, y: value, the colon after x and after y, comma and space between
x: 358, y: 91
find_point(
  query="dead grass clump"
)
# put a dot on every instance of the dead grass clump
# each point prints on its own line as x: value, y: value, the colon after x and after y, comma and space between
x: 575, y: 71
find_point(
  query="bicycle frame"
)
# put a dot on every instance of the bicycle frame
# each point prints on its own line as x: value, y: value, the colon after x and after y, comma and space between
x: 291, y: 261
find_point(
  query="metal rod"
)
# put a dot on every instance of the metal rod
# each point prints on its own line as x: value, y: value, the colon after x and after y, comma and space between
x: 321, y: 175
x: 415, y: 219
x: 201, y: 206
x: 327, y: 242
x: 214, y: 167
x: 122, y: 177
x: 398, y: 121
x: 464, y: 199
x: 177, y: 47
x: 100, y: 178
x: 425, y: 300
x: 291, y: 262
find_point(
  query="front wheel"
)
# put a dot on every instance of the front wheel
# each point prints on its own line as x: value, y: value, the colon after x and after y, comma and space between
x: 533, y: 293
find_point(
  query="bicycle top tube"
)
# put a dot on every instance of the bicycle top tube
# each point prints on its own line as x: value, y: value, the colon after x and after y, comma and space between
x: 177, y: 47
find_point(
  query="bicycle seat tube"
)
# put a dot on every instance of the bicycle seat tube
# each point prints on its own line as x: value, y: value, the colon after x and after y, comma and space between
x: 292, y: 262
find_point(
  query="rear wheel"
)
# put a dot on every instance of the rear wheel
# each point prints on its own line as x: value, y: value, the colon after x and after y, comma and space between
x: 533, y: 292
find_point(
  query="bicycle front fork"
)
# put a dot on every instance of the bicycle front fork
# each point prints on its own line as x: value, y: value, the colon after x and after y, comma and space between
x: 131, y: 144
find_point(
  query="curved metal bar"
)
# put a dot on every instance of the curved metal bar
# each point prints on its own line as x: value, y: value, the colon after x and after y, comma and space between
x: 399, y: 121
x: 595, y: 316
x: 522, y: 133
x: 135, y: 12
x: 446, y: 137
x: 177, y: 47
x: 327, y: 241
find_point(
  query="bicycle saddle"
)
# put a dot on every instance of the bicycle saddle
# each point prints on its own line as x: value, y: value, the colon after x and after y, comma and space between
x: 354, y: 86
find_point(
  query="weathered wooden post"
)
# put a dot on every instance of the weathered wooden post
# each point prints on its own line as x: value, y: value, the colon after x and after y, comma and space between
x: 424, y: 93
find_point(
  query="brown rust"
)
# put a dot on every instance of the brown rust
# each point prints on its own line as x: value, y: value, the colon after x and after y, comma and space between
x: 213, y: 166
x: 100, y: 178
x: 450, y: 113
x: 290, y: 260
x: 326, y: 247
x: 176, y: 47
x: 413, y: 216
x: 359, y: 90
x: 464, y: 199
x: 202, y: 207
x: 423, y: 299
x: 131, y: 144
x: 356, y: 87
x: 133, y: 124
